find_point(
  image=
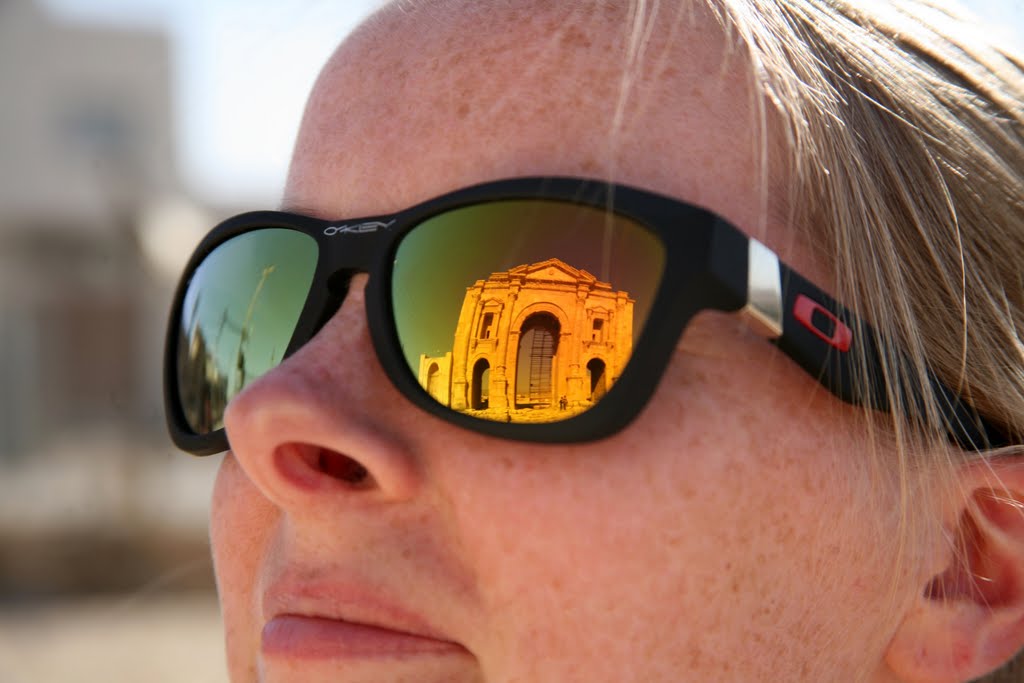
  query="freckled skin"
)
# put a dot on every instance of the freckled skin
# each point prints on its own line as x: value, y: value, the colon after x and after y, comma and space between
x: 725, y: 536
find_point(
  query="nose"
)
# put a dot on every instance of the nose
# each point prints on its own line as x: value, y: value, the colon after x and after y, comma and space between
x: 325, y: 422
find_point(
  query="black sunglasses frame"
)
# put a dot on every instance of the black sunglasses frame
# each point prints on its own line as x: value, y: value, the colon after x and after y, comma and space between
x: 710, y: 264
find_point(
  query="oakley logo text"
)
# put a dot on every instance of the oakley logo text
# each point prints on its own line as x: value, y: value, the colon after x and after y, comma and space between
x: 358, y: 228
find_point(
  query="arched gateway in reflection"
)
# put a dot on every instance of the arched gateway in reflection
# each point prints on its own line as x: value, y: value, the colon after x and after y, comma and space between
x: 535, y: 362
x: 534, y: 341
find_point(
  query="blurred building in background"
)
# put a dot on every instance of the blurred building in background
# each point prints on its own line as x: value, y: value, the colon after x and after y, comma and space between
x: 92, y: 496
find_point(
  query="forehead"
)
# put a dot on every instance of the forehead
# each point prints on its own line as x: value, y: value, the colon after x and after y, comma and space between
x: 425, y: 99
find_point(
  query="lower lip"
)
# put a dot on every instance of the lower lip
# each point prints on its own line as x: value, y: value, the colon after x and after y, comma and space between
x: 299, y: 637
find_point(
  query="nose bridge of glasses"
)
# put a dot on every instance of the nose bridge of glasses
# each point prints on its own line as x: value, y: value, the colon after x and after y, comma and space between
x: 354, y: 245
x: 348, y: 247
x: 337, y: 285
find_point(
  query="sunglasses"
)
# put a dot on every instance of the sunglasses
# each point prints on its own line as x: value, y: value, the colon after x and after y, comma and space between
x: 532, y: 309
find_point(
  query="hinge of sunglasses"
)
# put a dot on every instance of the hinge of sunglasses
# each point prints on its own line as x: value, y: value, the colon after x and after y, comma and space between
x: 763, y: 312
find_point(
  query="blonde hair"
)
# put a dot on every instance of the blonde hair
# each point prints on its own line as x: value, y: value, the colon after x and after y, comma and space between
x: 901, y: 125
x: 907, y: 146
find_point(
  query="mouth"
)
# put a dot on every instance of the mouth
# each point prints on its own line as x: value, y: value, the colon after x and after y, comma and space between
x: 296, y: 636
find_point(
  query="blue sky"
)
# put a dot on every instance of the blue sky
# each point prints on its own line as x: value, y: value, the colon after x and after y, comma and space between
x: 244, y: 68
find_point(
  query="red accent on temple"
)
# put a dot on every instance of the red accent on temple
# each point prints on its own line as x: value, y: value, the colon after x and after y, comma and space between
x: 805, y: 309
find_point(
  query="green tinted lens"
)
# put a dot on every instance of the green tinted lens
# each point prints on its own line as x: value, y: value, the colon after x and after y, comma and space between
x: 523, y: 310
x: 237, y: 318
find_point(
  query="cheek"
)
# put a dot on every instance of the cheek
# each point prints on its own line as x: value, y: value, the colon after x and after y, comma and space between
x: 711, y: 536
x: 241, y: 523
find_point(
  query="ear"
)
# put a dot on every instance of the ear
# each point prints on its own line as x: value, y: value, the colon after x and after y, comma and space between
x: 969, y: 619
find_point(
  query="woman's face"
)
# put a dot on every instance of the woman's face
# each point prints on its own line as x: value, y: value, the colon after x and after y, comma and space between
x: 725, y: 535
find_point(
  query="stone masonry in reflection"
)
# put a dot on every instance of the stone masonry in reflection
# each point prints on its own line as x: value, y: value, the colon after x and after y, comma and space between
x: 536, y: 343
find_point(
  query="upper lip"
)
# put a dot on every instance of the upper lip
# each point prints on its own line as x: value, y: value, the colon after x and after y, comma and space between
x: 347, y: 601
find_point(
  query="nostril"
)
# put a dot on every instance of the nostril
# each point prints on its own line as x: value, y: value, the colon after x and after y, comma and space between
x: 305, y: 463
x: 342, y: 467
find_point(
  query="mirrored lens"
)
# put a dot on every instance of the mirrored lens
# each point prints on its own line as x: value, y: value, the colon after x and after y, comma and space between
x: 525, y: 310
x: 237, y: 317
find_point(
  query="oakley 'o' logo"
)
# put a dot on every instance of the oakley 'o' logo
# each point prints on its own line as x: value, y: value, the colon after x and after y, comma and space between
x: 358, y: 228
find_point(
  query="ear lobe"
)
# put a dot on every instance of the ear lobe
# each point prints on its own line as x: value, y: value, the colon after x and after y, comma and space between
x: 969, y: 619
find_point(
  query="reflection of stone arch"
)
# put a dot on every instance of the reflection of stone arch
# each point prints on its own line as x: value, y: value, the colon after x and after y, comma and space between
x: 536, y: 371
x: 542, y: 307
x: 479, y: 386
x: 586, y: 319
x: 433, y: 377
x: 597, y: 371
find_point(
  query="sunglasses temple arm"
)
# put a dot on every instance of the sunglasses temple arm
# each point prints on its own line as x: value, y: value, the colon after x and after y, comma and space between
x: 845, y: 355
x: 800, y: 319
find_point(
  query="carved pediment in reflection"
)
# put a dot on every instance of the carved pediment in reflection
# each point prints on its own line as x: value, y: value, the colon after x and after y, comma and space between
x: 552, y: 270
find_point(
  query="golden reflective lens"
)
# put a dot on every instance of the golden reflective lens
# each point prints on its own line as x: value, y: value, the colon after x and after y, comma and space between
x: 523, y: 310
x: 237, y: 317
